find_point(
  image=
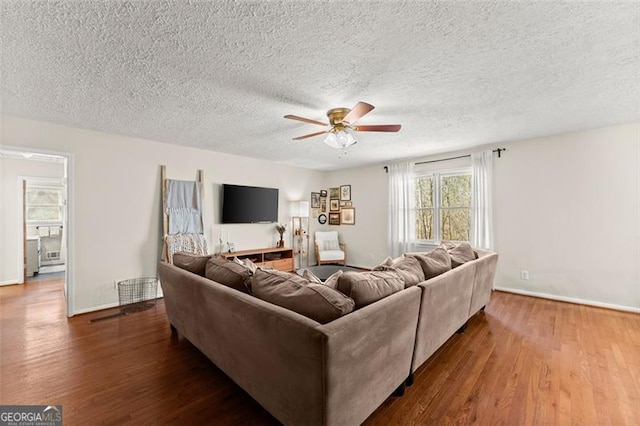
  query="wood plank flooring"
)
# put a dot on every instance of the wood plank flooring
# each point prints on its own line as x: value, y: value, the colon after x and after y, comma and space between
x: 524, y: 361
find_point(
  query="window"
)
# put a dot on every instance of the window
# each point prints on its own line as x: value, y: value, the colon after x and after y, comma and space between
x: 443, y: 206
x: 44, y: 204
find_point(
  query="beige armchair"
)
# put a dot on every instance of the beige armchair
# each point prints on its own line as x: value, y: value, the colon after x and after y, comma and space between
x: 329, y: 249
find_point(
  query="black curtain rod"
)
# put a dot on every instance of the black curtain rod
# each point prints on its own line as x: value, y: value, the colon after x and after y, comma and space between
x: 498, y: 150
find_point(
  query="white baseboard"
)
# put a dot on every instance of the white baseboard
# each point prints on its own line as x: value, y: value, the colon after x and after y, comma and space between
x: 10, y: 282
x: 96, y: 308
x: 570, y: 300
x: 47, y: 269
x: 103, y: 307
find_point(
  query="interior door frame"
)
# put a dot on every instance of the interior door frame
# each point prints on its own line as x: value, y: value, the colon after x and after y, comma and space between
x: 24, y: 231
x: 69, y: 220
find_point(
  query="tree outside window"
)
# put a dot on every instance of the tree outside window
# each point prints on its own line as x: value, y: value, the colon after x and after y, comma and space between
x: 424, y: 207
x: 443, y: 207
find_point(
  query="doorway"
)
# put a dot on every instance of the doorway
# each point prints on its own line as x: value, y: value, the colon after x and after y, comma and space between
x: 44, y: 210
x: 39, y: 234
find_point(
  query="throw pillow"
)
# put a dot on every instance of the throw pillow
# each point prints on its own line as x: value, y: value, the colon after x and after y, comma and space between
x: 308, y: 275
x: 448, y: 245
x: 229, y: 273
x: 368, y: 287
x: 385, y: 263
x: 331, y: 281
x: 248, y: 263
x: 434, y: 262
x: 408, y: 267
x: 316, y: 301
x: 191, y: 262
x: 330, y: 245
x: 462, y: 253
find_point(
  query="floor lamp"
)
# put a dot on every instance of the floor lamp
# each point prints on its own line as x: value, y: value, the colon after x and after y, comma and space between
x: 300, y: 218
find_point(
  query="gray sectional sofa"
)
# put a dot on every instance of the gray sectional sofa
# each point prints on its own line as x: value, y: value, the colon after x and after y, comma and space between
x: 308, y: 373
x: 448, y: 300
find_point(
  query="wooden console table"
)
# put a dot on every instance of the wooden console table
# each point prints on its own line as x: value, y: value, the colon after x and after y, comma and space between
x: 276, y: 258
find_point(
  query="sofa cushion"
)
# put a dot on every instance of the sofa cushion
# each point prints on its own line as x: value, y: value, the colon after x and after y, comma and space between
x: 460, y: 254
x: 408, y: 267
x: 327, y: 255
x: 433, y: 263
x: 331, y: 281
x: 316, y: 301
x: 229, y: 273
x: 191, y: 262
x: 368, y: 287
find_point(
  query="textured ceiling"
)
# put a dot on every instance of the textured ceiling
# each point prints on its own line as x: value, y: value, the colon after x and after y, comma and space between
x: 221, y: 75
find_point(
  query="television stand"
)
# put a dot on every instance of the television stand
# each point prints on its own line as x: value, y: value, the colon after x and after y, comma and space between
x: 276, y: 258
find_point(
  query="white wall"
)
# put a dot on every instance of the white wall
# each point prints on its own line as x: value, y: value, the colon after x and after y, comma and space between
x: 11, y: 245
x: 367, y: 239
x: 117, y: 205
x: 567, y: 210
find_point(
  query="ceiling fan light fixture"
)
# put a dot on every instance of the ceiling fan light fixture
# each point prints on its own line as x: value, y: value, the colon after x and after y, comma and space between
x: 331, y: 140
x: 340, y: 139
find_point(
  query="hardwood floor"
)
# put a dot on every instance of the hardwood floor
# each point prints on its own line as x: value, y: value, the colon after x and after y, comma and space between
x: 523, y: 361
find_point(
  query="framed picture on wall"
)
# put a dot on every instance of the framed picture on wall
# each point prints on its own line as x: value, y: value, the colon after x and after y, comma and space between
x: 334, y: 192
x: 323, y: 204
x: 348, y: 216
x: 322, y: 219
x: 334, y: 218
x: 334, y: 206
x: 345, y: 193
x: 323, y: 193
x: 315, y: 200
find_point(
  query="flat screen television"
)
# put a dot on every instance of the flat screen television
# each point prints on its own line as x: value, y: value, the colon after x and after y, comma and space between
x: 249, y: 204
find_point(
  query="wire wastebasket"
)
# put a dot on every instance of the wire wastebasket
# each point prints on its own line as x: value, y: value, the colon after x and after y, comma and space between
x: 137, y: 294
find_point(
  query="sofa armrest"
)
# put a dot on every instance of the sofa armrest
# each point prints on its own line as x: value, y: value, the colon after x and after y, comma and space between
x: 483, y: 282
x: 368, y: 355
x: 273, y: 353
x: 446, y: 299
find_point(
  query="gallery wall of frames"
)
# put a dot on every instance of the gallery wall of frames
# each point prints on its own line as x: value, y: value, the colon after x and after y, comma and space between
x: 333, y: 206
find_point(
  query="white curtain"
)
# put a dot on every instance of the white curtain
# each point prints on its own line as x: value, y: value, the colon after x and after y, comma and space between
x: 401, y: 208
x: 482, y: 200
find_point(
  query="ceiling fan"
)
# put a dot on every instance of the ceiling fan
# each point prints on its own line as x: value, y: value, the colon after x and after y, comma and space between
x: 341, y: 133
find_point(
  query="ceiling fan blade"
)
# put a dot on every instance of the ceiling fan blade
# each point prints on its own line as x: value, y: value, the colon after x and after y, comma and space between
x: 379, y: 128
x: 360, y: 110
x: 310, y: 135
x: 305, y: 120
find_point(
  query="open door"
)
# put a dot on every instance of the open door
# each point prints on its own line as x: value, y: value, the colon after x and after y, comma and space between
x: 65, y: 230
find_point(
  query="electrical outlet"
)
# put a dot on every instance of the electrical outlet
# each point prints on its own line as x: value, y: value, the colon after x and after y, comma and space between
x: 524, y: 275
